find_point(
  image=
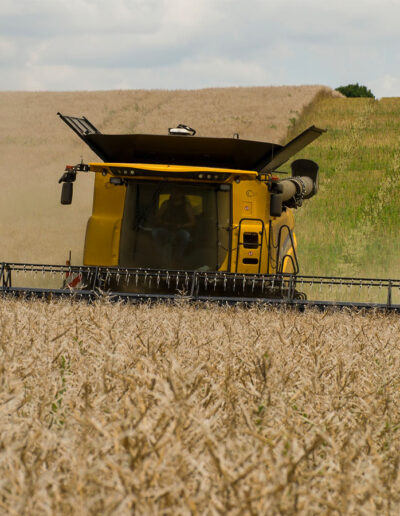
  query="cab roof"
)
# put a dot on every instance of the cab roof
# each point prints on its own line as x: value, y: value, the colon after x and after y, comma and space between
x: 228, y: 153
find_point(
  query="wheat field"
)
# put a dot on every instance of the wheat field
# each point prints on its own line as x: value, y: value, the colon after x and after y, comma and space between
x: 35, y: 146
x: 183, y: 410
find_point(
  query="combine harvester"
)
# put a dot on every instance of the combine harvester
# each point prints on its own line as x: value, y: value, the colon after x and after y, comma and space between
x: 200, y: 218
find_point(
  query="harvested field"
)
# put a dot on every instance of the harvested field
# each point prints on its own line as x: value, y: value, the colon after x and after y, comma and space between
x: 35, y: 146
x: 114, y: 409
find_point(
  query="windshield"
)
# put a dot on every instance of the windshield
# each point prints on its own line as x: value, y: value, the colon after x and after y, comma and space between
x: 176, y: 226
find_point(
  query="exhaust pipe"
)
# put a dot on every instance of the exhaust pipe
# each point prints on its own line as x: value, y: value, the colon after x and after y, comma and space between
x: 292, y: 191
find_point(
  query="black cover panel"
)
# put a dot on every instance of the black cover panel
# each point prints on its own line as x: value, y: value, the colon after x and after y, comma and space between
x: 291, y: 148
x: 181, y: 150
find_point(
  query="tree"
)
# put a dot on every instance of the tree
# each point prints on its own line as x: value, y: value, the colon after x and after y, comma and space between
x: 355, y: 90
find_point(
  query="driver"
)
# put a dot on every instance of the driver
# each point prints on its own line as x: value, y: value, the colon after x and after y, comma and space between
x: 174, y: 222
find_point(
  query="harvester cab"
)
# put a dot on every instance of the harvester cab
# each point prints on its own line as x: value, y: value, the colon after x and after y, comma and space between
x: 185, y: 203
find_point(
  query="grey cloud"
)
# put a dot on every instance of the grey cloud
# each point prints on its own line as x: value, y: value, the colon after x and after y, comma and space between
x: 153, y: 40
x: 43, y: 18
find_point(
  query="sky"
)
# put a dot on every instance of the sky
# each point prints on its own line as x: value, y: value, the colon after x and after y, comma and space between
x: 64, y: 45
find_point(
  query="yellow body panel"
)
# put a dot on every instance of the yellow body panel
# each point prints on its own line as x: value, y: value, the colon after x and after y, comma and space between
x: 100, y: 167
x: 282, y: 223
x: 104, y: 226
x: 250, y: 214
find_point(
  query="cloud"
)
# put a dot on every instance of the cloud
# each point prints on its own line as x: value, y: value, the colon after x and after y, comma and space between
x: 387, y: 85
x: 181, y: 44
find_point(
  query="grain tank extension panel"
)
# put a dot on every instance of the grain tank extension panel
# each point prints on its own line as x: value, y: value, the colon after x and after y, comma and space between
x: 232, y: 153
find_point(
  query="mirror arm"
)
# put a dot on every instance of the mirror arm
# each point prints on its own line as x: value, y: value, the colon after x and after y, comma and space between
x: 68, y: 177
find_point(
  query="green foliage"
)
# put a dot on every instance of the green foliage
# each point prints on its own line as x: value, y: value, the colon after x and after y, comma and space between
x: 355, y: 90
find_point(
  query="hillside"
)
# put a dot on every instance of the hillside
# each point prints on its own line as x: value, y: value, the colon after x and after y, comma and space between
x: 351, y: 227
x: 35, y: 146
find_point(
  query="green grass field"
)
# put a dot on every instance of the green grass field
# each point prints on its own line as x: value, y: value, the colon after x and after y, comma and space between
x: 351, y: 227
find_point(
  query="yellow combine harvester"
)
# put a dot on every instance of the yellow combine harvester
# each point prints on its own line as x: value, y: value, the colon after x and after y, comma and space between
x: 185, y: 203
x: 204, y: 218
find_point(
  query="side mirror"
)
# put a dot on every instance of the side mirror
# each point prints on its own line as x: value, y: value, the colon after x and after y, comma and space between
x: 275, y: 207
x: 66, y: 193
x: 276, y: 190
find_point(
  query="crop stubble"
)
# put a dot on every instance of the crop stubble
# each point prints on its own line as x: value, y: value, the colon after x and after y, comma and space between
x: 109, y: 409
